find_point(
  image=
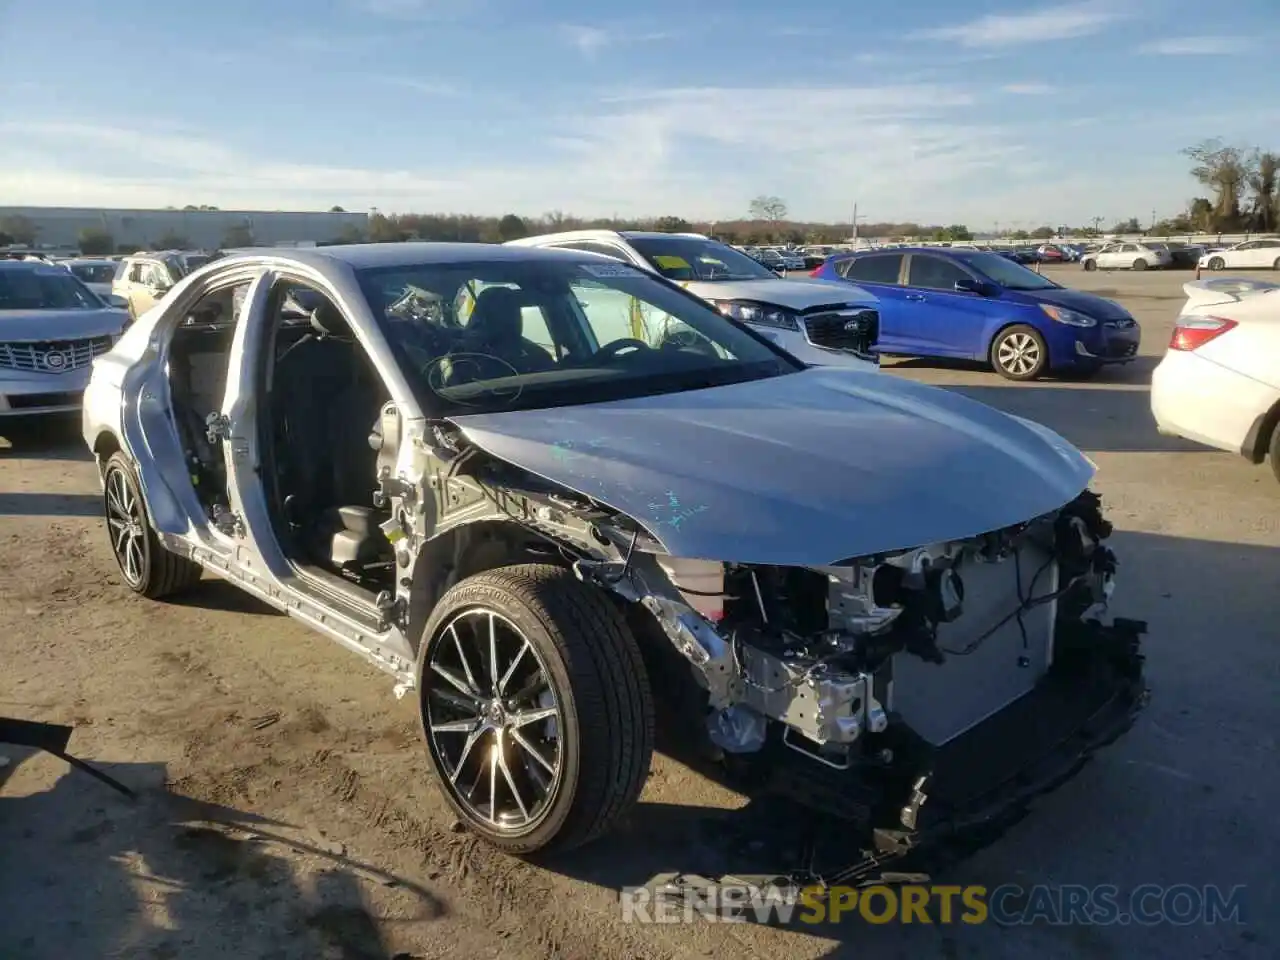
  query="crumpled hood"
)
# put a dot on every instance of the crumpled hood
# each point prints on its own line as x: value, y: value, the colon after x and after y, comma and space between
x: 1089, y: 304
x: 17, y: 325
x: 805, y: 469
x: 795, y: 294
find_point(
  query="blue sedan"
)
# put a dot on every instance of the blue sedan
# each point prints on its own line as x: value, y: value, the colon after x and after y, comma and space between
x: 976, y: 305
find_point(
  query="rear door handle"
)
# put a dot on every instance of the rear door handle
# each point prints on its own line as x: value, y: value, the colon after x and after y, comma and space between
x: 915, y: 296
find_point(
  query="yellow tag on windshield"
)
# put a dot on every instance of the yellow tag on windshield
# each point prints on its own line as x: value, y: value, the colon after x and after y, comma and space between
x: 671, y: 263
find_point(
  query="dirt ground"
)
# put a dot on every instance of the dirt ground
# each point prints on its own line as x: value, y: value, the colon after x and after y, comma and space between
x: 286, y: 811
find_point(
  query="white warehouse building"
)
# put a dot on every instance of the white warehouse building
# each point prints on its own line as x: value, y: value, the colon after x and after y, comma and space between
x: 61, y: 227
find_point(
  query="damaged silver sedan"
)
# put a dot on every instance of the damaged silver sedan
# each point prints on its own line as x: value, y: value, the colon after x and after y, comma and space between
x: 542, y: 490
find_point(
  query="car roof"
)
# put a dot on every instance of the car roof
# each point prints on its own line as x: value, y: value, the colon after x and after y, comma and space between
x: 87, y: 261
x: 936, y: 251
x: 31, y: 265
x: 410, y: 253
x: 604, y: 235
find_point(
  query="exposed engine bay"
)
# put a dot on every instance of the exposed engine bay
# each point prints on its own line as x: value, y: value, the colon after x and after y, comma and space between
x: 941, y: 636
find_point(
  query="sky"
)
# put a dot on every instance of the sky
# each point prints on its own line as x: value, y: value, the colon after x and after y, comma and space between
x: 983, y: 112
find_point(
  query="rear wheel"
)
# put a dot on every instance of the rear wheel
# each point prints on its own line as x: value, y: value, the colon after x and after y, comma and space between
x: 1139, y: 264
x: 1274, y: 452
x: 147, y: 567
x: 1019, y: 353
x: 535, y: 707
x: 1276, y: 265
x: 1217, y: 263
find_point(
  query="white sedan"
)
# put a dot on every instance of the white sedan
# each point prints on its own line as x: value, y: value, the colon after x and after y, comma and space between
x: 1252, y: 254
x: 1219, y: 381
x: 1127, y: 255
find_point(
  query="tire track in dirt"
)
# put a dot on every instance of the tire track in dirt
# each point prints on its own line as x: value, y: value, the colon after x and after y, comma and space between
x: 507, y: 896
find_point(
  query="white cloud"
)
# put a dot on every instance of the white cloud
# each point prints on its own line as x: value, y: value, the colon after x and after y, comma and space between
x: 1028, y: 89
x: 588, y: 40
x: 1061, y: 22
x: 429, y: 88
x: 415, y: 9
x: 1196, y: 46
x: 903, y: 151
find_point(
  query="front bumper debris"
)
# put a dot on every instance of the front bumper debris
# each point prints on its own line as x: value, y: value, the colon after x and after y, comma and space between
x: 925, y: 807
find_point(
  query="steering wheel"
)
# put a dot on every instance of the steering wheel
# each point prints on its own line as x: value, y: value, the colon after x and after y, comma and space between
x: 611, y: 350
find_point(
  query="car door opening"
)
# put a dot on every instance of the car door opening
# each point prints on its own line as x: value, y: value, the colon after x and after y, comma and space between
x: 323, y: 403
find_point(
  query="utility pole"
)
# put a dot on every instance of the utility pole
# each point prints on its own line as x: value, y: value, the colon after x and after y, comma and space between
x: 855, y: 223
x: 1096, y: 221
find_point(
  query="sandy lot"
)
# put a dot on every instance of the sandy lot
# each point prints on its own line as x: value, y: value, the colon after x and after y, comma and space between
x: 319, y: 834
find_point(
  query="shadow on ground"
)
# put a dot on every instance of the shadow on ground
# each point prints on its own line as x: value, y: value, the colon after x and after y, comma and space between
x: 88, y: 873
x: 50, y: 505
x: 52, y: 437
x: 214, y: 593
x: 1184, y: 798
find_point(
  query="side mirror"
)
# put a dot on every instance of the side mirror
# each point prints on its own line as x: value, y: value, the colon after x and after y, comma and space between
x: 977, y: 286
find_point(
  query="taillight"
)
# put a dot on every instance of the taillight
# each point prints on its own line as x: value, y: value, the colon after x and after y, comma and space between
x: 1192, y: 333
x: 816, y: 270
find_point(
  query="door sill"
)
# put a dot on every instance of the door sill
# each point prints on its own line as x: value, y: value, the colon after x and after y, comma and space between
x: 332, y: 590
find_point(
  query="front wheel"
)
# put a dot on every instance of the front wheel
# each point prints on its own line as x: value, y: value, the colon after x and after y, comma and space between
x: 1091, y: 265
x: 1019, y: 353
x: 1217, y: 263
x: 535, y: 707
x: 147, y: 567
x: 1276, y: 265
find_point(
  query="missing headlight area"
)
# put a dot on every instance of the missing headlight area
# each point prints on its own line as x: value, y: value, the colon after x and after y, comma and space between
x: 840, y: 662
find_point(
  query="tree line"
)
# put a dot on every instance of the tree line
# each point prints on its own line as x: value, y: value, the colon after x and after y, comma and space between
x: 1243, y: 184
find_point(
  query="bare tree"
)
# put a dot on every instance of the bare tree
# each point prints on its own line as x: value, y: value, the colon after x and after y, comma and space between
x: 1264, y: 186
x: 1225, y: 171
x: 768, y: 208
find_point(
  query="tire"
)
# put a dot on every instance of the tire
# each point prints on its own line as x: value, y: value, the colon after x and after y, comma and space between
x: 147, y: 566
x: 1017, y: 341
x: 1274, y: 452
x: 599, y: 733
x: 1276, y: 265
x: 1091, y: 265
x: 1217, y: 263
x: 1139, y: 264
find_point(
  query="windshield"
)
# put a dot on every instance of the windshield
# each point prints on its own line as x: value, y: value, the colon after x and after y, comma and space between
x: 94, y: 272
x: 44, y: 288
x: 494, y: 336
x: 1007, y: 273
x: 690, y: 258
x: 186, y: 263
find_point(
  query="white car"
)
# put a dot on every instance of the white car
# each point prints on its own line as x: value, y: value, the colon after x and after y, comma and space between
x: 1219, y: 381
x: 1256, y: 254
x: 818, y: 322
x: 1129, y: 255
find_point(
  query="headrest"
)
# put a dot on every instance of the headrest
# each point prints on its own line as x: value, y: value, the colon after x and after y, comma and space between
x: 497, y: 315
